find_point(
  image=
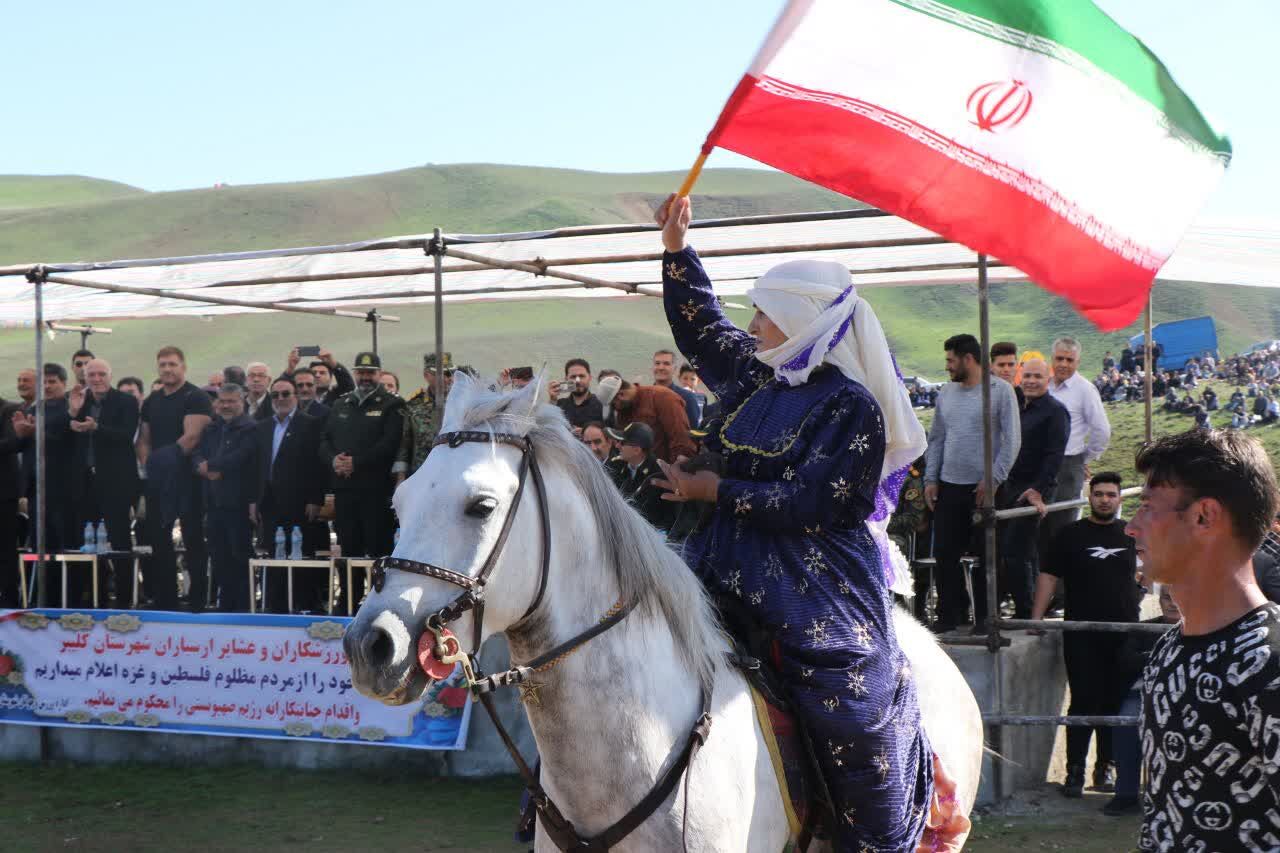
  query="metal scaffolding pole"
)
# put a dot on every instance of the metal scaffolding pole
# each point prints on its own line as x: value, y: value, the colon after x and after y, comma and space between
x: 37, y: 278
x: 1147, y: 359
x: 437, y: 250
x: 995, y: 735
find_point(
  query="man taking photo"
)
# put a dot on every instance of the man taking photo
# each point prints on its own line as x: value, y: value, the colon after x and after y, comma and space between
x: 574, y: 396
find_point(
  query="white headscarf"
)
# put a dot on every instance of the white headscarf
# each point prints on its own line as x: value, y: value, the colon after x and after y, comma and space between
x: 825, y: 321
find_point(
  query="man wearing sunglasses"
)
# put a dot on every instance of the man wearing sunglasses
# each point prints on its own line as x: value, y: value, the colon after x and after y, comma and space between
x: 290, y: 491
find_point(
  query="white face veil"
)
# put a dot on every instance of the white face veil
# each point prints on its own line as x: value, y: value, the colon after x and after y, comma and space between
x: 825, y: 321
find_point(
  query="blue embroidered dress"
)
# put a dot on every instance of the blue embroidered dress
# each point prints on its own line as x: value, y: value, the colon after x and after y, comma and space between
x: 788, y: 539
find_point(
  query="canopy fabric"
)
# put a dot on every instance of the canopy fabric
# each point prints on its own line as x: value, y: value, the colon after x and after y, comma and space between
x: 1246, y: 253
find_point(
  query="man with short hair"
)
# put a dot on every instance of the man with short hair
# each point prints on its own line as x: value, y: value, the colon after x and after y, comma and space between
x: 422, y: 416
x: 105, y: 478
x: 258, y: 377
x: 359, y: 444
x: 1004, y: 361
x: 216, y: 379
x: 227, y: 460
x: 173, y: 418
x: 333, y: 380
x: 598, y: 441
x: 664, y: 376
x: 304, y: 383
x: 1097, y: 563
x: 27, y: 386
x: 579, y: 405
x: 690, y: 381
x: 1090, y: 432
x: 60, y: 525
x: 662, y: 410
x: 1211, y: 687
x: 132, y: 386
x: 79, y: 359
x: 1045, y: 425
x: 633, y: 471
x: 290, y: 492
x: 954, y: 474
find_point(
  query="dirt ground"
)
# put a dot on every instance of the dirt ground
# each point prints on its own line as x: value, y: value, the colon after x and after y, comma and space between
x: 1043, y: 819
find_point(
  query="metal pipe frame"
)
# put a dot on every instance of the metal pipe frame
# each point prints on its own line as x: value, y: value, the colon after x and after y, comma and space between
x: 1085, y: 625
x: 37, y: 278
x: 1018, y: 512
x: 1042, y: 720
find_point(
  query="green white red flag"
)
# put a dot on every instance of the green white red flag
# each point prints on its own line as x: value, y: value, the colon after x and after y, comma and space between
x: 1036, y: 131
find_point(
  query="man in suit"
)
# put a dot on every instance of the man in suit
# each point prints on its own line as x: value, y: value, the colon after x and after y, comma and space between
x: 226, y: 461
x: 290, y: 491
x: 258, y: 377
x: 105, y: 474
x: 304, y: 382
x: 60, y: 523
x: 633, y: 471
x: 10, y: 447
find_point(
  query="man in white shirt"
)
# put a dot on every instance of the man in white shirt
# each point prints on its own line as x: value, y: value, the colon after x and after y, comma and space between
x: 1090, y: 430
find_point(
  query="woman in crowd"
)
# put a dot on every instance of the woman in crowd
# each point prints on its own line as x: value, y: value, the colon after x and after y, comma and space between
x: 817, y: 438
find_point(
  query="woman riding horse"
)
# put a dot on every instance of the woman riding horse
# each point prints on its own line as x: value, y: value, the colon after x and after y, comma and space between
x: 817, y: 435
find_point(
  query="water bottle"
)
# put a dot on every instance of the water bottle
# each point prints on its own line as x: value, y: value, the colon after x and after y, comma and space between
x: 89, y: 539
x: 295, y: 543
x: 102, y: 545
x: 280, y: 554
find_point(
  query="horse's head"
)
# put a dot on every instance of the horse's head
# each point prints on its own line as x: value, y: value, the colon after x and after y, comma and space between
x: 452, y: 512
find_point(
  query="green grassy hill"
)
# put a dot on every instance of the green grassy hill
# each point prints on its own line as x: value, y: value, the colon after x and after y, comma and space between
x: 34, y: 191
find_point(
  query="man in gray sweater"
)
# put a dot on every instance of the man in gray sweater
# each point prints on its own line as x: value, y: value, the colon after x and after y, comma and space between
x: 953, y: 475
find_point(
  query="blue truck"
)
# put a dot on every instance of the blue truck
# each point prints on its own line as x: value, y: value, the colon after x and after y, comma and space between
x: 1181, y: 340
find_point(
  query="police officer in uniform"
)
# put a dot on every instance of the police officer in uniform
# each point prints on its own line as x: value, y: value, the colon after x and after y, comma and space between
x: 422, y: 415
x: 358, y: 445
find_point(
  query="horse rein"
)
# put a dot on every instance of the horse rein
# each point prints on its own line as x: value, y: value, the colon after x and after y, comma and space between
x: 447, y: 650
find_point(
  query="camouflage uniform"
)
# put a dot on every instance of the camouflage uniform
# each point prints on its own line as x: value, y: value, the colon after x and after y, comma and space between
x: 422, y: 416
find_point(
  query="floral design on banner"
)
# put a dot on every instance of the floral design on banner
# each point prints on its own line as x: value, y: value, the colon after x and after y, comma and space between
x: 79, y: 716
x: 333, y: 731
x: 113, y: 718
x: 123, y: 623
x: 373, y: 733
x: 298, y: 729
x: 326, y: 630
x: 33, y: 621
x: 146, y: 721
x: 76, y: 622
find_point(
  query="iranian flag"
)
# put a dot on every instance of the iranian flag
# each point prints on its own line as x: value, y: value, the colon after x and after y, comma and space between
x: 1035, y: 131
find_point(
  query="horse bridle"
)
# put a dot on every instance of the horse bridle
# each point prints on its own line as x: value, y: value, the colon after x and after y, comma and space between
x: 556, y: 825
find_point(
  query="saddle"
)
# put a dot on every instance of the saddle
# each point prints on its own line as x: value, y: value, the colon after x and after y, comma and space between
x: 795, y: 763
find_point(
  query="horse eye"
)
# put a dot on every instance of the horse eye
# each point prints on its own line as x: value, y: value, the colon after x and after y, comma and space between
x: 481, y: 507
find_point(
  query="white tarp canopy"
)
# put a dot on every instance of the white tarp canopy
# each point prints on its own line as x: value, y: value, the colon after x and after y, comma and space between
x: 880, y: 250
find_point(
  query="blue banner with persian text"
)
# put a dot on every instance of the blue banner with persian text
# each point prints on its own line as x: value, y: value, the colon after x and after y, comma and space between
x: 235, y: 675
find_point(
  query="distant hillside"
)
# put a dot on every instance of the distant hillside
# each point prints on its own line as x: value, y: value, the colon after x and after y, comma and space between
x: 28, y: 191
x: 98, y: 220
x: 457, y: 198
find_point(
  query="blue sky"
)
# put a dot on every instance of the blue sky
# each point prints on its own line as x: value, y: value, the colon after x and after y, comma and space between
x: 177, y: 95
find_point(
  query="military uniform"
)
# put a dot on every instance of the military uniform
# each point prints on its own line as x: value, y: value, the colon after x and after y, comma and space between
x: 369, y: 431
x: 422, y: 416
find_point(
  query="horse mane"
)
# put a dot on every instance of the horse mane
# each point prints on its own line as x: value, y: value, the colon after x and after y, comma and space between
x: 646, y: 569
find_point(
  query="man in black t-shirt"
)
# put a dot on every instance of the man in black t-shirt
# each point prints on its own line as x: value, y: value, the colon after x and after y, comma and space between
x: 1211, y: 687
x: 172, y: 421
x: 574, y: 396
x: 1097, y: 563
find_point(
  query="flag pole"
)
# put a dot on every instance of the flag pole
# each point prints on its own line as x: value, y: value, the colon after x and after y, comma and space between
x: 692, y: 178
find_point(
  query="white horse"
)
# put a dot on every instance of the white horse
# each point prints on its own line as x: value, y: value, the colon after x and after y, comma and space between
x: 610, y: 717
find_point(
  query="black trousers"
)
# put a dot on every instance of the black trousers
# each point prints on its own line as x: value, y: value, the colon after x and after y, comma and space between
x: 230, y: 533
x: 954, y: 536
x: 9, y: 596
x: 365, y: 527
x: 310, y: 586
x: 162, y: 568
x: 1095, y: 689
x: 1018, y: 552
x: 109, y: 503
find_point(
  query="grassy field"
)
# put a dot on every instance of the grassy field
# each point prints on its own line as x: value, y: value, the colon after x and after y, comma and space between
x: 149, y: 808
x: 31, y: 191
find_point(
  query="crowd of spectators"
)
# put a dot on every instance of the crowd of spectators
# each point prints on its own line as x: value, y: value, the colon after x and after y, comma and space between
x: 295, y: 463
